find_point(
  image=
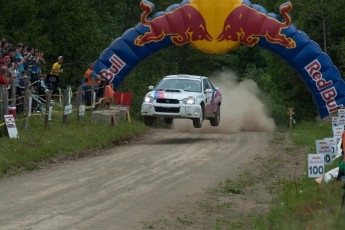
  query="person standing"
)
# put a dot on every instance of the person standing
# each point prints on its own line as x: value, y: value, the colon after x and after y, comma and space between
x: 87, y: 84
x: 54, y: 78
x: 56, y: 68
x: 3, y: 72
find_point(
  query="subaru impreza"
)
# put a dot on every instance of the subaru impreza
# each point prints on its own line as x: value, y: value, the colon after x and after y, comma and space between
x: 183, y: 97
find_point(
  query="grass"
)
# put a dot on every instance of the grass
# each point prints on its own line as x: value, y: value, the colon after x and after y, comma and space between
x: 304, y: 204
x: 38, y: 144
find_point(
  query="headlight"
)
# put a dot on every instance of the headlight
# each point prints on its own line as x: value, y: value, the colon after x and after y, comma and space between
x: 189, y: 101
x: 148, y: 99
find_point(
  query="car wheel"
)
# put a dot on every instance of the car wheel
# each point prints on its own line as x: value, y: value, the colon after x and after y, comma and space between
x: 216, y: 119
x: 168, y: 120
x: 148, y: 120
x: 197, y: 122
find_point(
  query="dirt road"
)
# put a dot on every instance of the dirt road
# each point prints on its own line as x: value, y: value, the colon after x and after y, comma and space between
x: 128, y: 185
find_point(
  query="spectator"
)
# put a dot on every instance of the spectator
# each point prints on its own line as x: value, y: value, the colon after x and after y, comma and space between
x: 56, y: 69
x: 16, y: 72
x: 23, y: 78
x: 3, y: 72
x: 7, y: 60
x: 20, y: 59
x: 2, y: 63
x: 36, y: 63
x: 87, y: 83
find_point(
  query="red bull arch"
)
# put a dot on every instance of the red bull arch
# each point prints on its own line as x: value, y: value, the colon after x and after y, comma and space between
x: 218, y: 26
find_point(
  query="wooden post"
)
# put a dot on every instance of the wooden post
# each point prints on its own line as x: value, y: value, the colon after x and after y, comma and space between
x: 48, y: 100
x: 65, y: 103
x: 92, y: 94
x: 290, y: 112
x: 26, y: 109
x: 13, y: 94
x: 5, y: 103
x: 2, y: 102
x: 79, y: 101
x: 4, y: 108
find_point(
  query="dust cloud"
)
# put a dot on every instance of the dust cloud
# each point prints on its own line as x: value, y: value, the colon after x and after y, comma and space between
x: 241, y: 108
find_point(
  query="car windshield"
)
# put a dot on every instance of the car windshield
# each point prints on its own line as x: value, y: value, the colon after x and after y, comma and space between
x: 184, y: 84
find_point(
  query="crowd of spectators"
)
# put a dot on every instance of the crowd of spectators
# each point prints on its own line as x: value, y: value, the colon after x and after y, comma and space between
x: 20, y: 62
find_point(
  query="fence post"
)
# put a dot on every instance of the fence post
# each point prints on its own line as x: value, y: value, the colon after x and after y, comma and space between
x: 48, y: 100
x: 13, y: 94
x: 79, y: 101
x: 4, y: 108
x: 65, y: 103
x: 92, y: 94
x: 5, y: 103
x: 2, y: 102
x: 26, y: 109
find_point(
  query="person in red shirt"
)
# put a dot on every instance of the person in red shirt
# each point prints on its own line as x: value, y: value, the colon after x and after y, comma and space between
x: 3, y: 79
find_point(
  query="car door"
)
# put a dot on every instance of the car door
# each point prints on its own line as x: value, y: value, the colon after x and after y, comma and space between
x: 207, y: 86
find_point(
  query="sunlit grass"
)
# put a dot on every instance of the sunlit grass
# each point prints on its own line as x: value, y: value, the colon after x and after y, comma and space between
x: 304, y: 204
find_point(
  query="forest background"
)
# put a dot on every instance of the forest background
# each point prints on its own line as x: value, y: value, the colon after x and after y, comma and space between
x: 81, y: 30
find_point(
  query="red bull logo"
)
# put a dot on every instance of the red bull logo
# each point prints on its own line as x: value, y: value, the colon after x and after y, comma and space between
x: 316, y: 159
x: 187, y: 25
x: 247, y: 25
x: 239, y: 24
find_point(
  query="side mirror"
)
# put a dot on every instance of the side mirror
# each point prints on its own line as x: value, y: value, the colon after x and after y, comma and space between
x: 151, y: 87
x: 208, y: 91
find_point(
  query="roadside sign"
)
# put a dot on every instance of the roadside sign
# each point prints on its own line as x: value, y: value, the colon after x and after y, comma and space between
x: 341, y: 113
x: 333, y: 142
x: 82, y: 110
x: 11, y: 126
x: 68, y: 109
x: 316, y: 165
x: 323, y: 147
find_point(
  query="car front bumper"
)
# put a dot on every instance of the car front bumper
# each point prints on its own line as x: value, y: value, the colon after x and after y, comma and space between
x: 173, y: 111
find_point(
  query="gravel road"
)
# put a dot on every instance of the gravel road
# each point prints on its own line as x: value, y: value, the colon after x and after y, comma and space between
x: 125, y: 186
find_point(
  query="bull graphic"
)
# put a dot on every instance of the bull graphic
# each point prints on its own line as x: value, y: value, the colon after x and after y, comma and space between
x: 183, y: 25
x: 247, y: 25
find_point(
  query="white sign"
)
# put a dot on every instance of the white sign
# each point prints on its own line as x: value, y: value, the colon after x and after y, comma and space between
x: 94, y: 100
x: 68, y: 109
x: 30, y: 106
x: 82, y: 110
x: 11, y: 126
x: 332, y: 174
x: 316, y: 165
x: 333, y: 142
x: 338, y: 132
x: 341, y: 121
x: 50, y: 113
x: 334, y: 122
x: 323, y: 147
x: 341, y: 113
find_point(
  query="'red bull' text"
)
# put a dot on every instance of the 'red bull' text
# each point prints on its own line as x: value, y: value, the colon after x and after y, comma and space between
x: 116, y: 65
x: 328, y: 95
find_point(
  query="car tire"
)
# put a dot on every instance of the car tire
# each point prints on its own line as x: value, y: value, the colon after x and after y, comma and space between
x: 197, y: 122
x: 148, y: 120
x: 216, y: 119
x: 168, y: 120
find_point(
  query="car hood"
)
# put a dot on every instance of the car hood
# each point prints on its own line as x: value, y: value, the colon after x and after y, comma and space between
x: 172, y: 94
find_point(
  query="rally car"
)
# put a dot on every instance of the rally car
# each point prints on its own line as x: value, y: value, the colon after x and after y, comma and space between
x: 183, y: 97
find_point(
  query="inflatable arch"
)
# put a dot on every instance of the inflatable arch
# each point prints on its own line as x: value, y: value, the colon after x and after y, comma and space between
x: 216, y: 26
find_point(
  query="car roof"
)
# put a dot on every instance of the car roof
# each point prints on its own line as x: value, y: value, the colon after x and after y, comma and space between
x: 185, y: 76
